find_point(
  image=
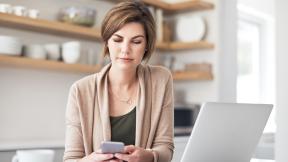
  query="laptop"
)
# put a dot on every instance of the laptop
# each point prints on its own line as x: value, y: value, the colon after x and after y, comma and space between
x: 226, y: 132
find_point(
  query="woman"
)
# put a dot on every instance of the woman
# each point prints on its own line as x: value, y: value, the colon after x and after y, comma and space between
x: 126, y: 101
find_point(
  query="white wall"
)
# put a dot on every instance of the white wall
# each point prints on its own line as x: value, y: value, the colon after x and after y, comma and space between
x: 227, y: 50
x: 281, y: 13
x: 33, y: 104
x: 263, y: 6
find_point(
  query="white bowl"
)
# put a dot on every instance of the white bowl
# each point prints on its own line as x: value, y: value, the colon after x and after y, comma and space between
x: 10, y: 45
x: 190, y: 29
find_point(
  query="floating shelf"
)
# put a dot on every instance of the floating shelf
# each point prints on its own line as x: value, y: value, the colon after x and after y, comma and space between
x: 20, y: 61
x: 47, y: 64
x: 69, y: 30
x: 179, y: 6
x: 173, y: 46
x: 49, y: 27
x: 192, y: 75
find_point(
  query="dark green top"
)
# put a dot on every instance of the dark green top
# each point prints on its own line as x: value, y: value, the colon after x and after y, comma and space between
x: 123, y: 128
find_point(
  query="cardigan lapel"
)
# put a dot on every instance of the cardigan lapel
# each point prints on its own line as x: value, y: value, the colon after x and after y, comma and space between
x: 103, y: 99
x: 143, y: 117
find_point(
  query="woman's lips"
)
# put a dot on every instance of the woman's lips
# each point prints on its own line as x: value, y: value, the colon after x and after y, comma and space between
x: 126, y: 59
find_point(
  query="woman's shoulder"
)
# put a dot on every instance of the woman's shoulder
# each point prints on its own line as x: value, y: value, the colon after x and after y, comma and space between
x: 159, y: 72
x: 92, y: 79
x: 85, y: 82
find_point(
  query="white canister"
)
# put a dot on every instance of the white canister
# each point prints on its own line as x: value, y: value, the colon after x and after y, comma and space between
x: 35, y: 51
x: 71, y: 52
x: 34, y: 156
x: 53, y: 51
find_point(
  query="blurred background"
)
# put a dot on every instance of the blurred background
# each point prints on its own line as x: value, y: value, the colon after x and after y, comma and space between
x: 217, y: 50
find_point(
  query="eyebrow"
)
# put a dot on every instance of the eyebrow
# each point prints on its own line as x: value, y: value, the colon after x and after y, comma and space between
x: 137, y: 36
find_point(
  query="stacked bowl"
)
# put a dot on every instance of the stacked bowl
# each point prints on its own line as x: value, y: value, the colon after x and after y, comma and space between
x: 10, y: 45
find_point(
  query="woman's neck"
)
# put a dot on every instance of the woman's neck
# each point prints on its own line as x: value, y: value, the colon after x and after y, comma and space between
x: 120, y: 78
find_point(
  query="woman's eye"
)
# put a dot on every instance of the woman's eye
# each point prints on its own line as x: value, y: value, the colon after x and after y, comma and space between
x: 117, y: 40
x: 137, y: 42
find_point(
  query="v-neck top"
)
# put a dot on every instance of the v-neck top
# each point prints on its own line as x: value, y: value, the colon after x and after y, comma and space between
x: 123, y: 128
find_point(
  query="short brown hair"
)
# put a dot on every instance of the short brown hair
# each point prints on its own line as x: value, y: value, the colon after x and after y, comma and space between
x: 126, y: 12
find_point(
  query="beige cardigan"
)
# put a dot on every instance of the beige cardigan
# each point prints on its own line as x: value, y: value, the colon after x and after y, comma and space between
x: 87, y: 114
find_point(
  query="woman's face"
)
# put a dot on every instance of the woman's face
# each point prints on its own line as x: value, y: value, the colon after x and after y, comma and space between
x: 127, y: 46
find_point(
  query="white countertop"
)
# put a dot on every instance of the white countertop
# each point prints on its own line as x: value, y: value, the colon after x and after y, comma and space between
x: 261, y: 160
x: 16, y: 145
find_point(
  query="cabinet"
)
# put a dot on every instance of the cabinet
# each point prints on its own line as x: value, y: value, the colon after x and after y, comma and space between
x: 79, y: 32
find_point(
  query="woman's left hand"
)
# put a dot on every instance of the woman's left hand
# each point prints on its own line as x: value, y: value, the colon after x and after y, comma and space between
x: 135, y: 154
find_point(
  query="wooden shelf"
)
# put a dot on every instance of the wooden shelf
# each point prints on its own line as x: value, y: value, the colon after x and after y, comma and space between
x: 47, y: 64
x: 180, y: 6
x: 192, y: 75
x: 20, y: 61
x: 162, y: 46
x: 173, y: 46
x: 49, y: 27
x: 68, y: 30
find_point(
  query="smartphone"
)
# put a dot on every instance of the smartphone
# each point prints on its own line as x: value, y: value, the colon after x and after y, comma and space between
x: 112, y: 147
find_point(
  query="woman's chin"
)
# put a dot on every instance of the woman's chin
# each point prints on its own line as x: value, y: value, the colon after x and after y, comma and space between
x: 126, y: 66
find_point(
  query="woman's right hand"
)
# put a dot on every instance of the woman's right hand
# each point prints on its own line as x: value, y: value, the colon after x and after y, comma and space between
x: 99, y: 157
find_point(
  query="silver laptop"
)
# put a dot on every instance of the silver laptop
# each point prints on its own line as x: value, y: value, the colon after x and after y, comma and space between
x: 226, y: 132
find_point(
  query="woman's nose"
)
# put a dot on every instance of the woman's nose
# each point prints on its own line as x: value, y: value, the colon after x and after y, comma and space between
x: 125, y: 48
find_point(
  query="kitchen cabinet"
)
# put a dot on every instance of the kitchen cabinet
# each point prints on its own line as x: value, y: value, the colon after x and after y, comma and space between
x: 93, y: 34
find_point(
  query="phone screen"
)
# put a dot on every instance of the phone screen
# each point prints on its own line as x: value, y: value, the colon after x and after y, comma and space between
x: 112, y: 147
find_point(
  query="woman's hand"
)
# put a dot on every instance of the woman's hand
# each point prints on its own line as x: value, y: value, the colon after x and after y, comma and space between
x: 135, y: 154
x: 99, y: 157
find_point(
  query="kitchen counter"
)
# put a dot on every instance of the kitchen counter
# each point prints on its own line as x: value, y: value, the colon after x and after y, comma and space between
x: 16, y: 145
x: 8, y: 150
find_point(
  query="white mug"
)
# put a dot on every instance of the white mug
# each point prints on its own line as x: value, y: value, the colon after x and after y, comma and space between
x: 34, y: 156
x: 33, y: 13
x: 71, y: 52
x: 20, y: 10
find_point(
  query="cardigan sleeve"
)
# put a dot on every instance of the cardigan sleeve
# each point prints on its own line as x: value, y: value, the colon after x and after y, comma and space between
x: 163, y: 145
x: 74, y: 148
